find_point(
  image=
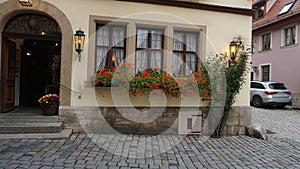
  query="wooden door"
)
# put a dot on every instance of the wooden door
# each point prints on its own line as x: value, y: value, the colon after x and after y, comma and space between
x: 8, y: 75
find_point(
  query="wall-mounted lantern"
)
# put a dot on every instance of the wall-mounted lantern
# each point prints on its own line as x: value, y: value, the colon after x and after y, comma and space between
x: 79, y: 42
x: 232, y: 50
x: 25, y: 3
x: 254, y: 69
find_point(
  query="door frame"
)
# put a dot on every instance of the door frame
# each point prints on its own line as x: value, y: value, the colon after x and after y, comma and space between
x: 8, y: 11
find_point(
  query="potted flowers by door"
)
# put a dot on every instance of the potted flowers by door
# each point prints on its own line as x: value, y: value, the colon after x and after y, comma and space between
x: 49, y: 104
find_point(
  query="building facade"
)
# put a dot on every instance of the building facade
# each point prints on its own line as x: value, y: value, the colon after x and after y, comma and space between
x: 38, y: 53
x: 275, y: 32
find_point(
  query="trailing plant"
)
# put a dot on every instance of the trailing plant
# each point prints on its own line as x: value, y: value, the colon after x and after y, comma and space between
x: 149, y: 80
x: 235, y: 74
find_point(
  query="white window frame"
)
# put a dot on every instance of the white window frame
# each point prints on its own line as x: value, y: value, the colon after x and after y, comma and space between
x: 261, y: 71
x: 197, y: 32
x: 283, y: 35
x: 111, y: 46
x: 261, y: 41
x: 150, y: 28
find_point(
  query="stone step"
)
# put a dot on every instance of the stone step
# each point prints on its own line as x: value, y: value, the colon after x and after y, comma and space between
x: 28, y: 119
x: 21, y: 128
x: 64, y: 134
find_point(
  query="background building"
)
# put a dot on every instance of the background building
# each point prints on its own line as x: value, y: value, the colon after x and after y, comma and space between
x: 275, y: 30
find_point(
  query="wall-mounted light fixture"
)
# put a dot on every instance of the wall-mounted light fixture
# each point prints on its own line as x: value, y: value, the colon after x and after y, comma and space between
x: 29, y: 53
x: 254, y: 68
x: 79, y: 42
x: 232, y: 50
x: 25, y: 3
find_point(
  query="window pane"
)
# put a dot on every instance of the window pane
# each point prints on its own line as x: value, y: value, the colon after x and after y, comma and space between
x: 261, y: 12
x: 119, y: 56
x: 118, y: 36
x: 156, y: 59
x: 190, y: 64
x: 156, y: 40
x: 103, y: 36
x: 278, y: 86
x: 286, y: 8
x: 142, y: 38
x: 141, y: 60
x: 177, y: 63
x: 293, y: 34
x: 101, y: 57
x: 178, y: 41
x: 191, y: 42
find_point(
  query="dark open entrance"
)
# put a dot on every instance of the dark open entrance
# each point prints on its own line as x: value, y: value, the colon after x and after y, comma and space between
x: 40, y: 70
x: 30, y: 60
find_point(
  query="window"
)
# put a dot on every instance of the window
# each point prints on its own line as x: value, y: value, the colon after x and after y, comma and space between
x: 149, y: 48
x: 286, y: 8
x: 277, y: 86
x: 110, y: 46
x: 184, y: 53
x: 265, y: 73
x: 290, y: 35
x: 260, y: 12
x: 255, y: 85
x: 266, y: 41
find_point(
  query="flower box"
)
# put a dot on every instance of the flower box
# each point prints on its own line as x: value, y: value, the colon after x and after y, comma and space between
x: 119, y: 97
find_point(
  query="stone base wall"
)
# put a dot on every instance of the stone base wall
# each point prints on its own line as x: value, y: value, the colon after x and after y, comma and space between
x: 296, y: 100
x: 238, y: 120
x: 111, y: 120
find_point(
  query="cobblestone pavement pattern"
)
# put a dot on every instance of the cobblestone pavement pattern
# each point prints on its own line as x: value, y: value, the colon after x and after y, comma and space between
x: 227, y: 152
x: 283, y: 123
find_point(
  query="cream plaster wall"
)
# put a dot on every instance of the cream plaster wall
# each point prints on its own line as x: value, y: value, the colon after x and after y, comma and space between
x: 220, y: 28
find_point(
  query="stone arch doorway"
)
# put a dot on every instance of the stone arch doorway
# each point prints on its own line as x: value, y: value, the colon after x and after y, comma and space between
x: 9, y: 9
x: 31, y: 60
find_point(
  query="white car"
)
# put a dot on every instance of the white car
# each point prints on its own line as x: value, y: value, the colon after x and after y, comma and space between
x: 269, y: 94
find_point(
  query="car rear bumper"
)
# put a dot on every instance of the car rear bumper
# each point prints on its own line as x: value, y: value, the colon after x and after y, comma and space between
x: 276, y: 103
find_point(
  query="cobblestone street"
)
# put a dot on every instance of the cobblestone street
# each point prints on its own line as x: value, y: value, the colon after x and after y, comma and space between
x: 281, y: 150
x: 285, y: 123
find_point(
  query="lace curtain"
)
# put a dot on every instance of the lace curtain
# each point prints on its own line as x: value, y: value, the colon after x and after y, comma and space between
x: 110, y: 38
x: 189, y: 40
x: 148, y: 55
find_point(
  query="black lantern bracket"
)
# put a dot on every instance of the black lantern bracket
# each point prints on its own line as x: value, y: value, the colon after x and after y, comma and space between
x: 79, y: 42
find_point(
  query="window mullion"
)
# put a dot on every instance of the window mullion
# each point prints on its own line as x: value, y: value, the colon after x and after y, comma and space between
x: 184, y: 53
x: 109, y: 57
x: 149, y: 49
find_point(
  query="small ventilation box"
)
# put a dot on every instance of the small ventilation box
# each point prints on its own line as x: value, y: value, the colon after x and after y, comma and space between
x: 190, y: 122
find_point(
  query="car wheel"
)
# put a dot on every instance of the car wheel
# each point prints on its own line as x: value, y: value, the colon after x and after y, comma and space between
x: 257, y: 101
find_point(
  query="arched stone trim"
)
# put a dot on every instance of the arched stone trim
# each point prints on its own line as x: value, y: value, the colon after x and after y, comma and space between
x: 11, y: 8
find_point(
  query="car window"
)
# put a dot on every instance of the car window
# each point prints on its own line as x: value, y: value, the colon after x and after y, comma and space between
x: 277, y: 86
x: 257, y: 85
